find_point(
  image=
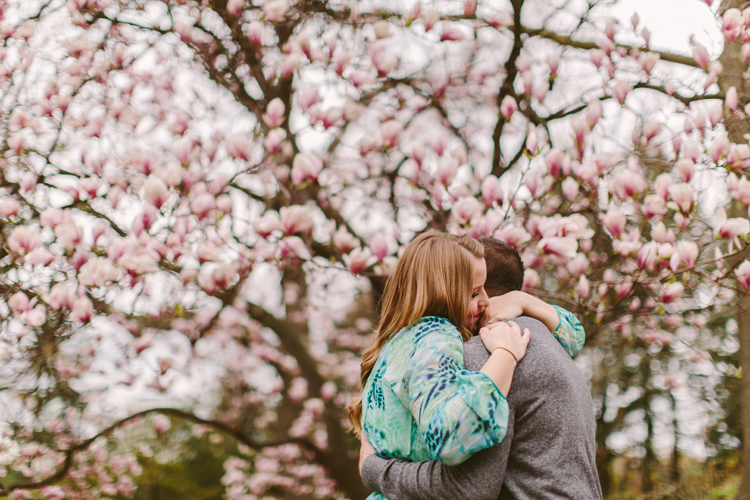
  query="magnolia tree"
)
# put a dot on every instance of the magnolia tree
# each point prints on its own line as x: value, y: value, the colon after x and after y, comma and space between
x: 200, y: 201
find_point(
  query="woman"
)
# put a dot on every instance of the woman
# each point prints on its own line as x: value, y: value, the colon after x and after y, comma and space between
x: 418, y: 402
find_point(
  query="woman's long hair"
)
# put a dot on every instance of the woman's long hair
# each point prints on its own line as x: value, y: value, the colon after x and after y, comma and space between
x: 434, y: 277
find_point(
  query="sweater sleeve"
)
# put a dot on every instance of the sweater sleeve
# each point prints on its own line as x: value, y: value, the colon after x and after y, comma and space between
x: 569, y: 332
x: 457, y: 412
x: 481, y: 477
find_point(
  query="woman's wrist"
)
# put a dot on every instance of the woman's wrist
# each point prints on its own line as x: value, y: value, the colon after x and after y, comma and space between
x: 509, y: 351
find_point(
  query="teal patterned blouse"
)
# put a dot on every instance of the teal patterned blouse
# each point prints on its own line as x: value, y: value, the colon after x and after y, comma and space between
x: 420, y: 403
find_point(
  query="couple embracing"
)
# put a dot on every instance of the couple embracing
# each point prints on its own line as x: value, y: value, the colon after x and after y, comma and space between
x: 437, y: 416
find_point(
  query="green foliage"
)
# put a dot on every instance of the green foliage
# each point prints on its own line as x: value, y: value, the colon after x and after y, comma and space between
x: 181, y: 465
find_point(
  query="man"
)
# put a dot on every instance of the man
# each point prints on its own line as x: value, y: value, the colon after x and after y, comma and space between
x: 549, y: 449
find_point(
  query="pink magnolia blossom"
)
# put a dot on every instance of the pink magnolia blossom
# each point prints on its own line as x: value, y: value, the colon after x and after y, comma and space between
x: 430, y: 18
x: 359, y: 260
x: 584, y: 287
x: 614, y: 221
x: 296, y: 219
x: 731, y: 228
x: 671, y: 292
x: 570, y: 188
x: 597, y: 56
x: 294, y: 246
x: 508, y: 107
x: 274, y: 115
x: 682, y: 195
x: 379, y: 247
x: 446, y: 171
x: 239, y: 146
x: 254, y: 32
x: 382, y: 29
x: 620, y: 90
x: 438, y: 142
x: 743, y: 190
x: 743, y: 275
x: 593, y: 112
x: 523, y: 63
x: 290, y: 64
x: 306, y: 99
x: 265, y: 225
x: 648, y: 60
x: 651, y: 129
x: 491, y: 190
x: 653, y: 205
x: 731, y: 99
x: 60, y: 296
x: 530, y: 279
x: 578, y: 265
x: 9, y: 207
x: 306, y: 167
x: 68, y: 234
x: 367, y: 145
x: 274, y: 139
x: 182, y: 149
x: 731, y: 24
x: 331, y: 117
x: 344, y: 241
x: 451, y: 33
x: 688, y: 252
x: 564, y: 248
x: 234, y: 7
x: 156, y: 191
x: 501, y: 20
x: 470, y: 7
x: 554, y: 160
x: 718, y: 148
x: 19, y: 302
x: 540, y: 91
x: 513, y: 235
x: 202, y: 204
x: 715, y: 114
x: 275, y: 10
x: 82, y: 310
x: 24, y: 239
x: 465, y: 208
x: 628, y: 183
x: 700, y: 55
x: 609, y: 30
x: 97, y: 272
x: 17, y: 143
x: 685, y: 169
x: 662, y: 185
x: 162, y: 424
x: 580, y: 128
x: 390, y: 132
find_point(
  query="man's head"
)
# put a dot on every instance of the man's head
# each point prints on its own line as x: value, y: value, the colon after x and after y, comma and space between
x: 504, y: 267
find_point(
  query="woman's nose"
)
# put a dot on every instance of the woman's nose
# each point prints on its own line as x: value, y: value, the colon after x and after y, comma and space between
x: 484, y: 299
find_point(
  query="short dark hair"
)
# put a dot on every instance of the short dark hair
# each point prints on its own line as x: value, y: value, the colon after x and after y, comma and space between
x: 504, y: 267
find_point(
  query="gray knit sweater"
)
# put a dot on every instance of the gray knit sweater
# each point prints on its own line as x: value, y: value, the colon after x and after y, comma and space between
x: 548, y: 452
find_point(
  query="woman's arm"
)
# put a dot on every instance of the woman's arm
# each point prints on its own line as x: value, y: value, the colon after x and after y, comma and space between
x: 457, y: 412
x: 562, y: 323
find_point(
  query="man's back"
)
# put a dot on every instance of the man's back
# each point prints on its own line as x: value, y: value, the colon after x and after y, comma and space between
x: 549, y: 451
x: 550, y: 446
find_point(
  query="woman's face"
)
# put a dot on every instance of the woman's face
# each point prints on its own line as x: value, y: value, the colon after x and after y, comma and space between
x: 479, y: 298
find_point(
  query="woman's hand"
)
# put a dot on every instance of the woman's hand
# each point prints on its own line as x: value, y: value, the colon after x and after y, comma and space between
x: 505, y: 307
x: 365, y: 450
x: 506, y: 335
x: 515, y: 304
